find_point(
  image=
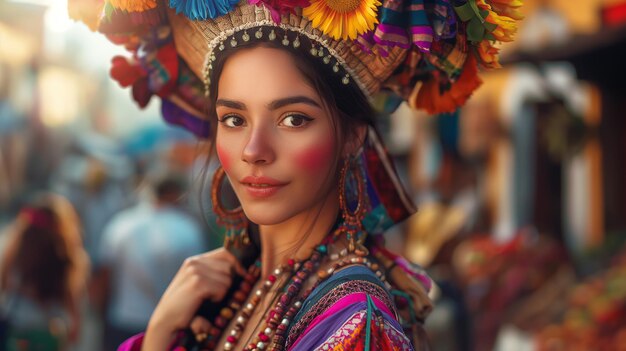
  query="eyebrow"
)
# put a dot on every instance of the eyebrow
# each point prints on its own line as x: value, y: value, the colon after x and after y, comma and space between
x: 274, y: 105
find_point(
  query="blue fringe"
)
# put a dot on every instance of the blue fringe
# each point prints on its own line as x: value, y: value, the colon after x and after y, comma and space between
x: 203, y: 9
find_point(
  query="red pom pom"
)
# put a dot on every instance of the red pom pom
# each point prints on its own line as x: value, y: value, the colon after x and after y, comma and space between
x: 124, y: 72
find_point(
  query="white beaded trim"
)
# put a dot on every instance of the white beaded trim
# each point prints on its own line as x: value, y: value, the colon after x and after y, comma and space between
x: 270, y: 24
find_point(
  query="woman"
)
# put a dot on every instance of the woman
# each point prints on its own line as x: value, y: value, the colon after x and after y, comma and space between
x: 288, y: 84
x: 43, y: 275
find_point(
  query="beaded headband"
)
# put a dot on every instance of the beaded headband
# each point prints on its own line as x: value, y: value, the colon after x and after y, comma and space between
x: 291, y: 38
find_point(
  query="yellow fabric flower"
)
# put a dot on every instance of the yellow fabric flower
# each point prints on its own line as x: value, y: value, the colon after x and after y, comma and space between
x: 343, y: 19
x: 133, y: 5
x: 508, y: 8
x: 506, y: 26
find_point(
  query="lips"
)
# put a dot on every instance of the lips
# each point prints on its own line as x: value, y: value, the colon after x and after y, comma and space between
x: 262, y: 187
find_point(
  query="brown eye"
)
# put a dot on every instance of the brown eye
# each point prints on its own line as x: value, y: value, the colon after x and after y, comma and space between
x: 232, y: 121
x: 296, y: 121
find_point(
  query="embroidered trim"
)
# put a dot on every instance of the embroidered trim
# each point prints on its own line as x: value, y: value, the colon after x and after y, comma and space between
x: 334, y: 295
x: 345, y: 334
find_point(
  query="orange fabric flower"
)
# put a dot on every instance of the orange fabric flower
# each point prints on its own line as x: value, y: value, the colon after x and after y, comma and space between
x: 430, y: 98
x: 488, y: 55
x: 133, y: 5
x: 86, y: 11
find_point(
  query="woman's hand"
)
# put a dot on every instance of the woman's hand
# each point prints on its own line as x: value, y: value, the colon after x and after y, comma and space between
x: 204, y: 277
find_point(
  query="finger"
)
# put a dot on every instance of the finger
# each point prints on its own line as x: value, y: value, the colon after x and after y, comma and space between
x: 212, y: 287
x: 229, y: 257
x: 200, y: 327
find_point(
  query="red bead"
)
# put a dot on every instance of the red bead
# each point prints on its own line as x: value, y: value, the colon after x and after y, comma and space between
x: 231, y: 339
x: 271, y: 278
x: 291, y: 262
x: 264, y: 337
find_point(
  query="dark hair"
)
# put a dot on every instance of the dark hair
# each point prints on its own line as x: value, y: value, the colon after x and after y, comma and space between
x: 169, y: 188
x: 44, y: 252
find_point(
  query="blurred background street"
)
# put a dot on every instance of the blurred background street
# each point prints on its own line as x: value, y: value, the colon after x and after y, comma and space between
x: 521, y: 193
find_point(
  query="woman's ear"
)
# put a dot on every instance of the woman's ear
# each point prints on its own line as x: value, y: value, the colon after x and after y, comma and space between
x: 356, y: 138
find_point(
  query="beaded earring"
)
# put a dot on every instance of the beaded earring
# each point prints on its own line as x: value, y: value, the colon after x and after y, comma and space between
x: 233, y: 220
x: 352, y: 185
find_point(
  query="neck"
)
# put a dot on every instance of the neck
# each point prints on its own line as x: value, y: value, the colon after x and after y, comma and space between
x: 298, y: 236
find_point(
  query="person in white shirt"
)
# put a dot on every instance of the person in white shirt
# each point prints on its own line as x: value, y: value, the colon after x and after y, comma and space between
x: 141, y: 250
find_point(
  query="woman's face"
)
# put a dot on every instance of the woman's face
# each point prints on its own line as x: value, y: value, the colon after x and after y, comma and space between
x: 275, y: 139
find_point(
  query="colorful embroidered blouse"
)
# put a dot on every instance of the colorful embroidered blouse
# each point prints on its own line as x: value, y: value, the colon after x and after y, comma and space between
x: 352, y: 310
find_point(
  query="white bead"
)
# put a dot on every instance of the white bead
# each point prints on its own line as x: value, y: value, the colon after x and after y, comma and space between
x: 228, y: 346
x: 298, y: 304
x: 343, y: 252
x: 234, y: 332
x: 268, y: 331
x: 285, y: 322
x: 334, y: 256
x: 277, y: 271
x: 250, y: 306
x: 268, y: 283
x: 259, y: 293
x: 260, y: 345
x: 241, y: 320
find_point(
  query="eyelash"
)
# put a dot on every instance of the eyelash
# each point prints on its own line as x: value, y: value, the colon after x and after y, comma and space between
x: 306, y: 119
x: 224, y: 120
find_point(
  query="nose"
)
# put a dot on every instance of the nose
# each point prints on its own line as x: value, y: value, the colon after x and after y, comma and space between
x: 258, y: 149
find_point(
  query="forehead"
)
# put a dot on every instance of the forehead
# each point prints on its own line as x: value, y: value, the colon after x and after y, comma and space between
x: 262, y: 74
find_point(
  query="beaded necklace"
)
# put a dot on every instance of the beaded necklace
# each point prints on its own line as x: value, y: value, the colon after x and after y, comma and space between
x: 272, y: 335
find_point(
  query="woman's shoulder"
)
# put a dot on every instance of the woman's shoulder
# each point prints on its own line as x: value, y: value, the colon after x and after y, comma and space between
x: 344, y: 309
x: 351, y: 284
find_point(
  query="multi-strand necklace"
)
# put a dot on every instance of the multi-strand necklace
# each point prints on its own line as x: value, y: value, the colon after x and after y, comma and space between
x: 273, y: 331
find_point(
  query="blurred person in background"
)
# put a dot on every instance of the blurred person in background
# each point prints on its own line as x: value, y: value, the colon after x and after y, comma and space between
x: 43, y: 275
x: 141, y: 250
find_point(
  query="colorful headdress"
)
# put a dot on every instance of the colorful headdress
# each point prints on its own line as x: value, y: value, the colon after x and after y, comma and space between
x: 426, y: 51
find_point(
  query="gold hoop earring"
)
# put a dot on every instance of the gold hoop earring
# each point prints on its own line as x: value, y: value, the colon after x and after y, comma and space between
x: 233, y: 220
x: 352, y: 225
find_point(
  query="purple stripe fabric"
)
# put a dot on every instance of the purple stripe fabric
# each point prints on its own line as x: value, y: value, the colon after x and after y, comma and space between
x: 319, y: 333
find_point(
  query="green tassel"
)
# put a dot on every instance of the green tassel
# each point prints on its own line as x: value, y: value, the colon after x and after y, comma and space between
x: 368, y: 326
x: 410, y: 301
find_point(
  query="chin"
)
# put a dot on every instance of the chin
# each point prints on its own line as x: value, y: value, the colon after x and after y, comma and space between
x: 265, y: 214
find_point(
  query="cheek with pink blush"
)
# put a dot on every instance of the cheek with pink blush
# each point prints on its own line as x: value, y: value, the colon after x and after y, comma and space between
x: 317, y: 157
x: 223, y: 157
